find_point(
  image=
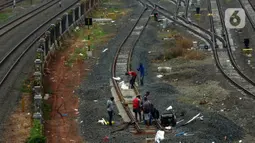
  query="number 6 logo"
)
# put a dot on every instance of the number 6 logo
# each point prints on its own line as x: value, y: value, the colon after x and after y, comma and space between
x: 235, y: 18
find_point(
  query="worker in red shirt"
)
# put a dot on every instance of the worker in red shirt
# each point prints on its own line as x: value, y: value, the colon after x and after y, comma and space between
x: 132, y: 80
x: 137, y: 107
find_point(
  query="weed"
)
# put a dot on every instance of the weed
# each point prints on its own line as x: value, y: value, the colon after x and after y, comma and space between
x: 78, y: 55
x: 36, y: 133
x: 27, y: 85
x: 46, y: 110
x: 194, y: 55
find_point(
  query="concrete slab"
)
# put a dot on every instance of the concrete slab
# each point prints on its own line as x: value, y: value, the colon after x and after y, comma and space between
x: 119, y: 105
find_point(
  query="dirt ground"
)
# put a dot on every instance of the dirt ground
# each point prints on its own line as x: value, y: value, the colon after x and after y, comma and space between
x: 63, y: 80
x: 65, y: 76
x: 19, y: 123
x: 197, y: 86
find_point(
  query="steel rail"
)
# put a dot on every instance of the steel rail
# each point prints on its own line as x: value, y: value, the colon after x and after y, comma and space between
x: 211, y: 44
x: 31, y: 44
x: 16, y: 22
x: 193, y: 24
x: 129, y: 64
x: 226, y: 44
x: 8, y: 4
x: 113, y: 72
x: 247, y: 13
x: 230, y: 53
x: 251, y: 5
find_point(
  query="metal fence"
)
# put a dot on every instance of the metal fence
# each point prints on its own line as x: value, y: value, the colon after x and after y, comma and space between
x: 50, y: 42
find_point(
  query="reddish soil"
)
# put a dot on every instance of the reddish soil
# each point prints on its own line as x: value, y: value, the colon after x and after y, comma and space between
x: 63, y: 80
x: 17, y: 128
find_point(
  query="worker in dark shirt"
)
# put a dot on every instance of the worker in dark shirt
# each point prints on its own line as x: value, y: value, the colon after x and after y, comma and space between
x: 147, y: 109
x: 132, y: 80
x: 141, y: 70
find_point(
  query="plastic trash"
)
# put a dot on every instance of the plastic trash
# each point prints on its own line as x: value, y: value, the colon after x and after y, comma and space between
x: 105, y: 50
x: 168, y: 128
x: 159, y: 76
x: 169, y: 108
x: 159, y: 136
x: 123, y: 85
x: 116, y: 78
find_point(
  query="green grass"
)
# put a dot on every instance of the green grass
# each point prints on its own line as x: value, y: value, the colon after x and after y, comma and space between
x: 27, y: 86
x: 5, y: 15
x: 36, y: 133
x: 79, y: 54
x: 46, y: 108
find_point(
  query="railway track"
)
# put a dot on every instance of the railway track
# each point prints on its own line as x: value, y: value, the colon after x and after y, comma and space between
x: 12, y: 58
x: 122, y: 63
x: 249, y: 10
x: 243, y: 82
x: 8, y: 4
x: 16, y: 22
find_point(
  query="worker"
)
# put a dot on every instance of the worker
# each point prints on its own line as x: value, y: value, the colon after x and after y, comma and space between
x: 137, y: 107
x: 141, y: 70
x: 132, y: 80
x: 110, y: 109
x: 145, y: 96
x: 147, y: 108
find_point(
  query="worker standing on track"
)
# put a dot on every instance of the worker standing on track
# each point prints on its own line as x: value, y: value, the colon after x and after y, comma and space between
x: 141, y: 69
x: 145, y: 96
x: 132, y: 80
x: 147, y: 109
x: 137, y: 107
x: 110, y: 109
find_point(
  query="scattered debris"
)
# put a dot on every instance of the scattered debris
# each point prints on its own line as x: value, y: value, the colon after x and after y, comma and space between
x: 103, y: 122
x: 81, y: 54
x: 240, y: 141
x: 123, y: 85
x: 168, y: 128
x: 116, y: 78
x: 102, y: 19
x: 81, y: 122
x: 159, y: 136
x: 183, y: 134
x: 95, y: 100
x: 167, y: 39
x: 164, y: 69
x: 169, y: 108
x: 75, y: 109
x: 159, y: 76
x: 77, y: 28
x: 46, y: 97
x: 149, y: 52
x: 180, y: 121
x: 64, y: 115
x: 105, y: 50
x: 192, y: 119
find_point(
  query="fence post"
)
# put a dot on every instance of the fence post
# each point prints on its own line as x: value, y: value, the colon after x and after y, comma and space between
x: 73, y: 12
x: 67, y: 21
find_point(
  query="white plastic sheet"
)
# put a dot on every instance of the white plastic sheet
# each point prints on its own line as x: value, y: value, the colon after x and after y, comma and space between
x: 159, y: 136
x: 116, y: 78
x: 123, y: 85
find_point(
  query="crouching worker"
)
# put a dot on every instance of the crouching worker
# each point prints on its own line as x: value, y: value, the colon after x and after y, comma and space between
x: 132, y: 80
x: 147, y: 109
